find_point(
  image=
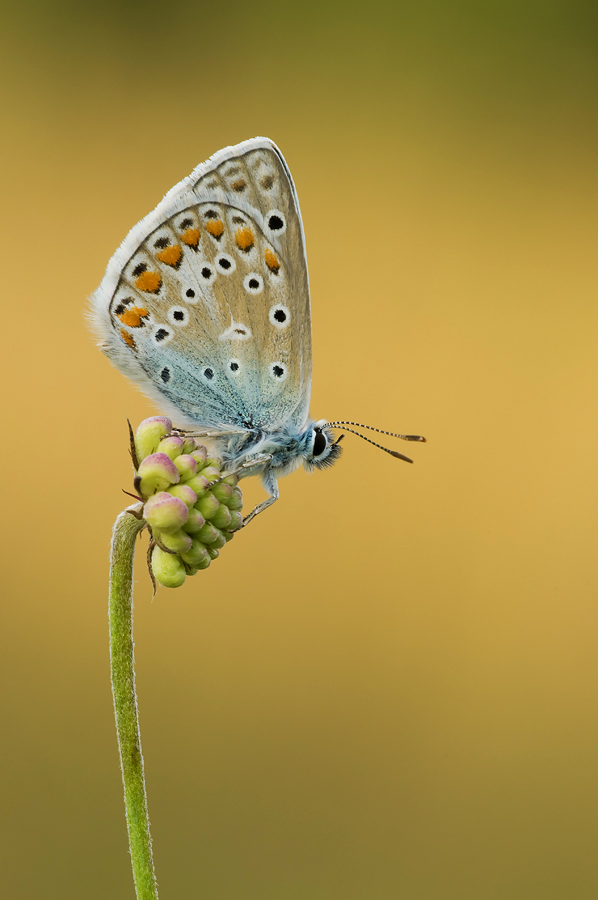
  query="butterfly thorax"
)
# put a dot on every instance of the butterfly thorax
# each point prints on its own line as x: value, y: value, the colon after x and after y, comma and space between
x: 279, y: 451
x: 282, y: 449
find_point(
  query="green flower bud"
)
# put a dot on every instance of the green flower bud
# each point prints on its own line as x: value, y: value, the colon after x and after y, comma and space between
x: 211, y: 473
x: 165, y: 512
x: 177, y: 541
x: 207, y: 505
x: 167, y: 568
x: 186, y: 465
x: 194, y: 522
x: 191, y: 506
x: 184, y: 493
x: 219, y: 542
x: 236, y: 521
x: 199, y: 484
x: 236, y: 500
x: 222, y: 492
x: 156, y: 472
x: 200, y: 455
x: 208, y: 534
x: 222, y: 517
x: 149, y: 434
x: 196, y: 554
x: 172, y: 446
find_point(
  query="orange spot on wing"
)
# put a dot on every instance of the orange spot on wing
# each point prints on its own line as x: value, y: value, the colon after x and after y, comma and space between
x: 127, y: 339
x: 149, y: 281
x: 215, y: 228
x: 191, y: 237
x: 132, y: 317
x: 244, y: 238
x: 271, y: 261
x: 170, y: 255
x: 239, y: 185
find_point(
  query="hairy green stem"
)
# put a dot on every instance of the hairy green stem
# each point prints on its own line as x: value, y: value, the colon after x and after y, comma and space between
x: 122, y: 670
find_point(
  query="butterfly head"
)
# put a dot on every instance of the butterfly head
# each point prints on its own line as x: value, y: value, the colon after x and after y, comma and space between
x: 321, y: 449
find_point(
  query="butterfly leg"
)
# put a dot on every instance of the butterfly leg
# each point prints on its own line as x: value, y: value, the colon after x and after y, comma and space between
x: 208, y: 434
x: 271, y: 485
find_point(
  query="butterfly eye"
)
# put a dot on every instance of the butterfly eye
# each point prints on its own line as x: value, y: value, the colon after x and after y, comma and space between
x: 225, y: 264
x: 208, y: 274
x: 278, y: 371
x: 279, y: 316
x: 178, y: 316
x: 162, y: 335
x: 253, y: 283
x: 276, y: 222
x: 320, y: 443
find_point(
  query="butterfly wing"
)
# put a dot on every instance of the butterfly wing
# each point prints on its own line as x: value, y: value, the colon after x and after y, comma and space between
x: 206, y: 303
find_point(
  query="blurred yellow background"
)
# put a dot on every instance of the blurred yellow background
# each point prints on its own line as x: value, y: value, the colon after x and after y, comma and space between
x: 386, y: 687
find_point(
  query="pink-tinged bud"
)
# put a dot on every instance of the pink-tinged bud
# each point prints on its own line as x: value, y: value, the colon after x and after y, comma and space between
x: 236, y: 500
x: 220, y: 541
x: 189, y: 445
x: 196, y: 554
x: 156, y: 472
x: 199, y: 484
x: 211, y: 473
x: 236, y: 521
x: 177, y: 541
x: 194, y: 521
x: 231, y: 479
x: 200, y: 455
x: 207, y: 505
x: 214, y: 554
x: 186, y: 465
x: 222, y: 517
x: 172, y: 446
x: 167, y: 568
x: 149, y: 434
x: 184, y: 493
x: 214, y: 461
x: 208, y: 534
x: 165, y: 512
x: 222, y: 491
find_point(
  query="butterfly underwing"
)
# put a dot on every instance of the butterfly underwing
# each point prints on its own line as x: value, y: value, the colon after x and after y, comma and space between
x: 205, y: 305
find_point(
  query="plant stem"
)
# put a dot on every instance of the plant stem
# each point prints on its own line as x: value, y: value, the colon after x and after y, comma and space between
x: 122, y: 670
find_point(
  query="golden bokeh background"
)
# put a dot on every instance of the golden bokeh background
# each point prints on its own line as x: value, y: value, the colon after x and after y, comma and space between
x: 386, y: 687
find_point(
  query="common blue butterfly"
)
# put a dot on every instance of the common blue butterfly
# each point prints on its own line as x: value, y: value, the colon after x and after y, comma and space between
x: 205, y: 305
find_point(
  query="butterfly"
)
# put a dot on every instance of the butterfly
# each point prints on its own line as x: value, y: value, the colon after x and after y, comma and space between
x: 205, y: 305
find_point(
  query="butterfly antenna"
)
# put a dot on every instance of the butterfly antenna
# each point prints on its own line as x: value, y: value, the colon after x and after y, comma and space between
x: 404, y: 437
x: 380, y: 447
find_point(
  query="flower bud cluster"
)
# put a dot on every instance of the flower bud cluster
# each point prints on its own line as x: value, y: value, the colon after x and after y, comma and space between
x: 191, y: 508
